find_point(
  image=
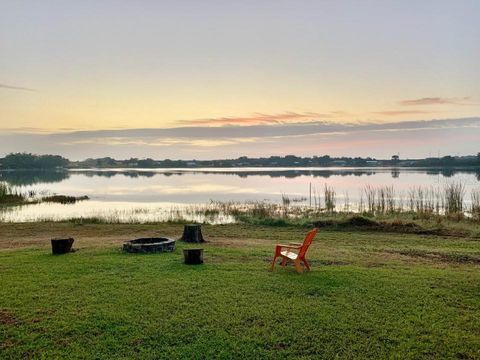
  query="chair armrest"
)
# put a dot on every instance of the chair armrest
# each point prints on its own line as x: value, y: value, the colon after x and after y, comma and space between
x: 295, y: 243
x: 289, y: 246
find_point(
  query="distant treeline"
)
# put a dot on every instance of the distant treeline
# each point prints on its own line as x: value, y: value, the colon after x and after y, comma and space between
x: 31, y: 161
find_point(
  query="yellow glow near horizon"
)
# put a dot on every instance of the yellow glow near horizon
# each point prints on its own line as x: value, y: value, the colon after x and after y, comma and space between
x: 102, y: 65
x: 57, y: 111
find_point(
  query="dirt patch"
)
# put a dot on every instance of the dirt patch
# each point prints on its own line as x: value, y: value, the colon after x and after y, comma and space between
x: 439, y: 257
x: 8, y: 343
x: 38, y: 235
x: 328, y: 262
x: 7, y: 319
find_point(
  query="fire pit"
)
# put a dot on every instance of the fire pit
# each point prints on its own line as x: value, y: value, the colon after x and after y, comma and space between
x: 149, y: 245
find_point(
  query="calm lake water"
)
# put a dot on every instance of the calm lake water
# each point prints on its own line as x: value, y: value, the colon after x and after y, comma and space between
x: 161, y: 194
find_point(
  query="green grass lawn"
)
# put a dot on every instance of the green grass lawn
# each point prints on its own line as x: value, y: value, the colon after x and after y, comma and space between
x: 370, y: 295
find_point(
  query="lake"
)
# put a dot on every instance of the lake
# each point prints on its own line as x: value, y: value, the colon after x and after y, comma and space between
x: 162, y: 194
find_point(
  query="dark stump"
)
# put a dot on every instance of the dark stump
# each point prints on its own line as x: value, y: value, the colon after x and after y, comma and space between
x: 62, y: 246
x: 192, y: 233
x: 193, y: 256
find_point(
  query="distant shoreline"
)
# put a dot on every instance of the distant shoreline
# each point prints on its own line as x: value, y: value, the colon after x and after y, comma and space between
x: 249, y: 168
x: 37, y: 162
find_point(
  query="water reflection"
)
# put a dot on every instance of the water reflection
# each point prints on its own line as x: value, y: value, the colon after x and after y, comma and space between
x: 286, y: 173
x: 30, y: 177
x: 128, y: 173
x: 123, y: 192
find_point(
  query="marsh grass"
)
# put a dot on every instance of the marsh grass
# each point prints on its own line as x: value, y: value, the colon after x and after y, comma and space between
x: 475, y: 207
x: 346, y: 202
x: 330, y: 199
x: 63, y: 199
x: 370, y: 198
x: 427, y: 203
x: 10, y: 195
x: 454, y: 198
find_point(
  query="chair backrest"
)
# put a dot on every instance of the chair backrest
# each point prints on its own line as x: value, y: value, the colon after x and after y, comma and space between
x: 306, y: 243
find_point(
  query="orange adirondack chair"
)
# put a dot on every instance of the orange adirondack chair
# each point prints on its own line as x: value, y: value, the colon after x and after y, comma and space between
x: 287, y: 253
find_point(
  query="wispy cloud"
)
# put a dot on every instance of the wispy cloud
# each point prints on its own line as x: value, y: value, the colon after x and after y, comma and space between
x: 437, y: 101
x: 321, y: 137
x: 35, y: 130
x: 13, y: 87
x: 402, y: 112
x: 257, y: 119
x: 159, y: 142
x: 186, y: 134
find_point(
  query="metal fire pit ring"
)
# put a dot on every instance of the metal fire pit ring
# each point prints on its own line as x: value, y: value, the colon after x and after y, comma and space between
x: 149, y: 245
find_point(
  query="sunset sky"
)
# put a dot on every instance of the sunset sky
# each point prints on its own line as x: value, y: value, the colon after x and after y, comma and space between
x: 151, y: 78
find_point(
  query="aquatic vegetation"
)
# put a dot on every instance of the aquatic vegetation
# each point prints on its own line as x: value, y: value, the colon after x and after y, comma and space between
x: 64, y: 199
x: 428, y: 203
x: 454, y: 198
x: 475, y: 207
x: 10, y: 195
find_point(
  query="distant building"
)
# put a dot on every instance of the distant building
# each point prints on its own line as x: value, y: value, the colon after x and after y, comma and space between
x: 395, y: 158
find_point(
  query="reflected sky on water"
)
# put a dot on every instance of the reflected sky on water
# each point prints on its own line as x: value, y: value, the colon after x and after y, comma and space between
x: 125, y: 191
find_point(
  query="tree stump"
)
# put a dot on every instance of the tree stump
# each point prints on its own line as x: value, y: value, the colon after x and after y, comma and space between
x: 192, y: 233
x: 62, y: 246
x: 193, y: 256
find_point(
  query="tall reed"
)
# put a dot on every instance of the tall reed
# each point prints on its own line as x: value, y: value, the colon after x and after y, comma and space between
x: 330, y: 198
x: 4, y: 189
x: 454, y: 197
x: 385, y: 200
x: 346, y: 202
x: 370, y: 196
x: 9, y: 194
x: 475, y: 208
x: 286, y: 204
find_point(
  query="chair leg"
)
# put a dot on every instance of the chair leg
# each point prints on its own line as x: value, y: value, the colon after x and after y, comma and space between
x: 307, y: 265
x: 298, y: 266
x: 284, y: 262
x: 273, y: 263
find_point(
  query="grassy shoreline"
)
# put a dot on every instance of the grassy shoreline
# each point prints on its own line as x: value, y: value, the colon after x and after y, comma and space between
x: 370, y: 295
x: 397, y: 223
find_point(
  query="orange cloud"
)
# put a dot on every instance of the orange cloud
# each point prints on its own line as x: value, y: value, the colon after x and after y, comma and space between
x: 263, y: 119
